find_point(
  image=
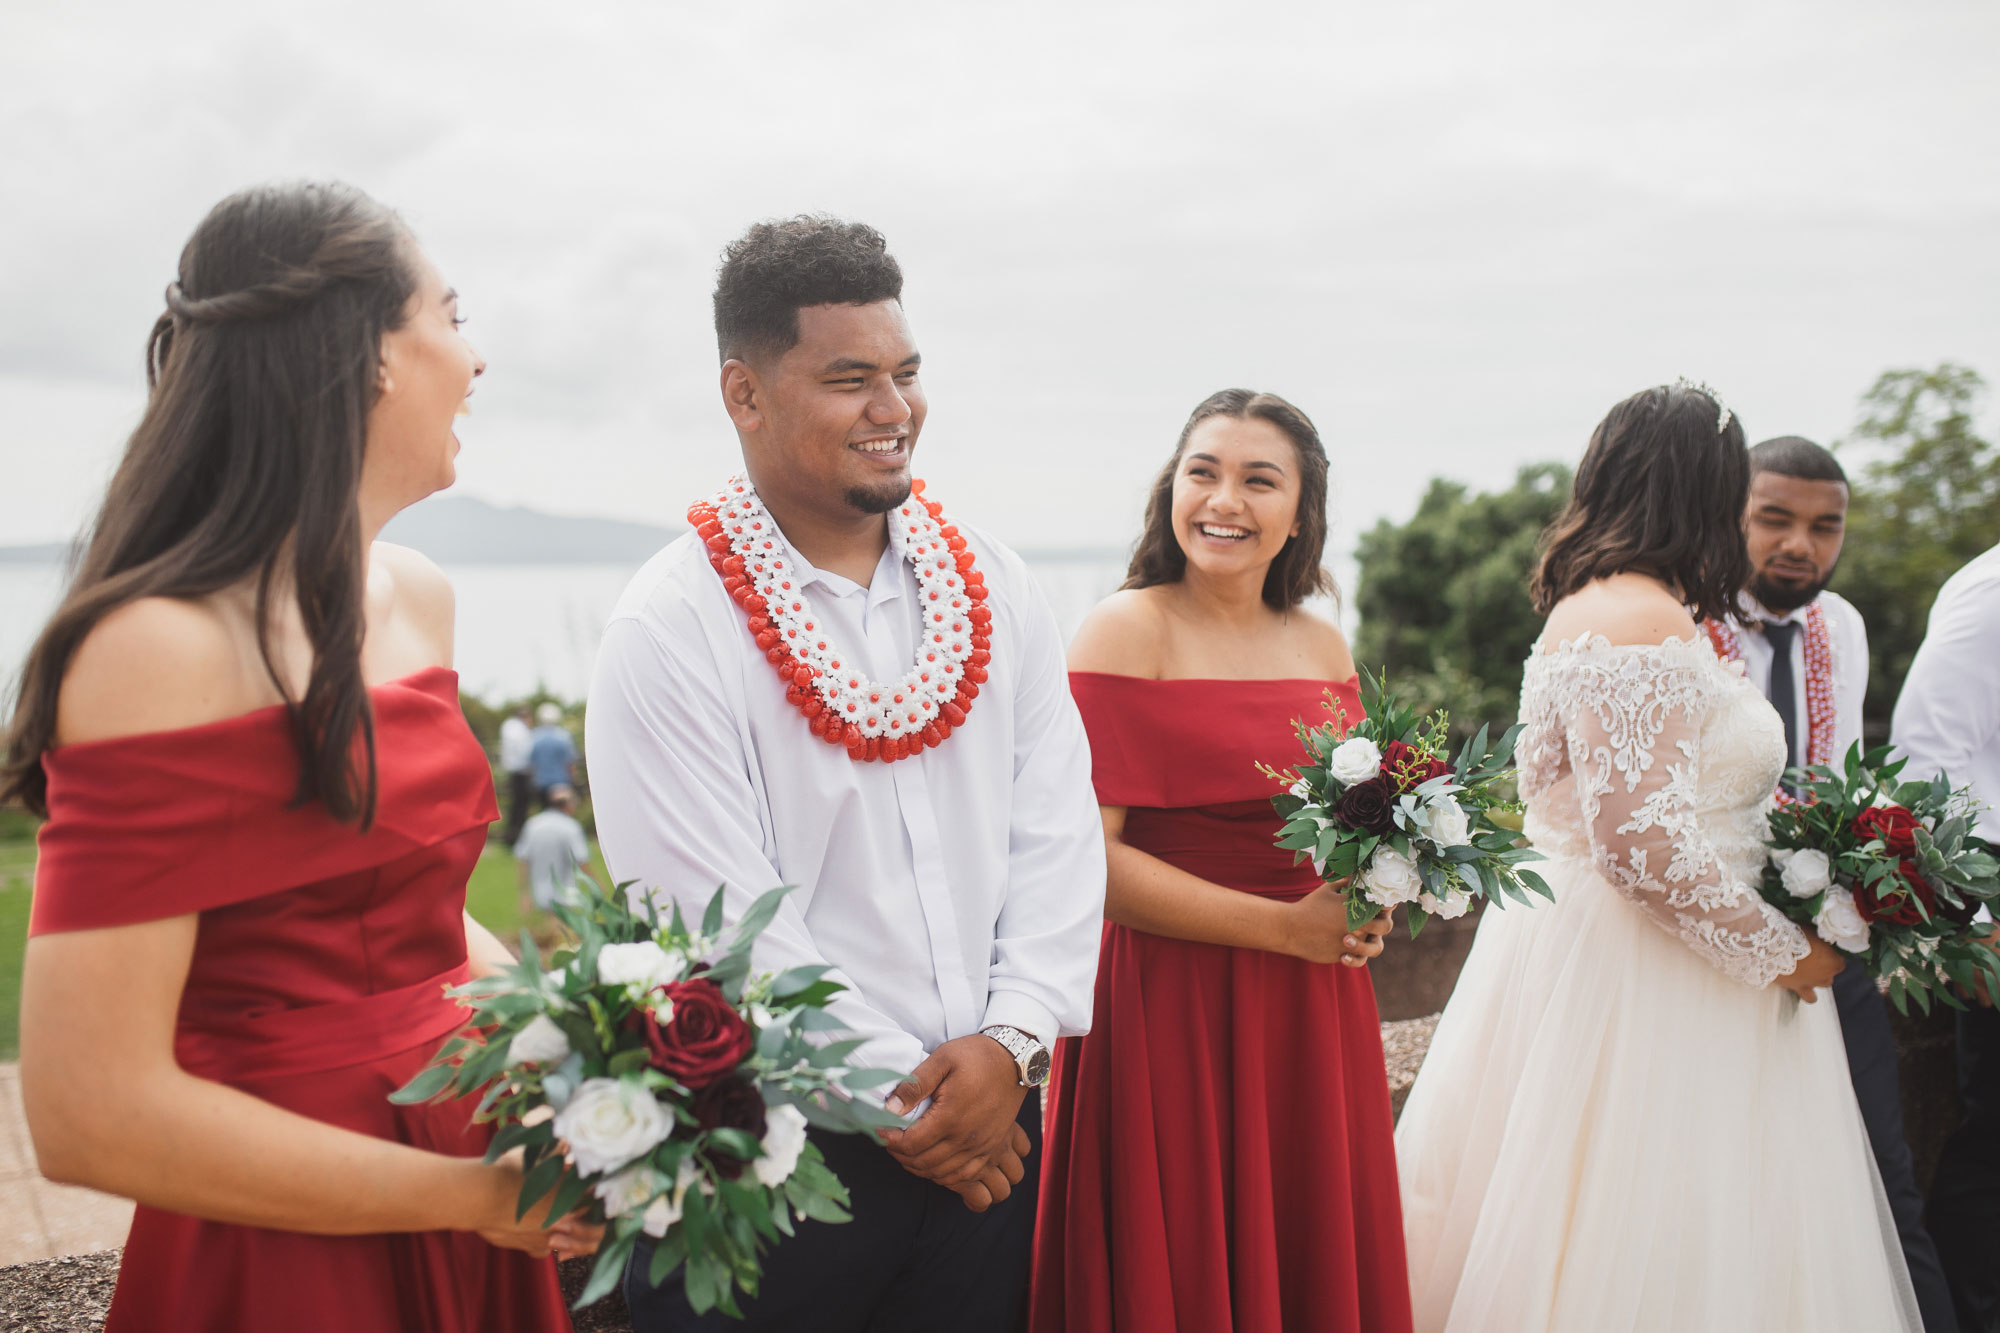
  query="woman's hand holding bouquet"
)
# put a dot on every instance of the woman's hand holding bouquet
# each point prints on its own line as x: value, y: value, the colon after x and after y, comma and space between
x: 1376, y: 804
x: 646, y: 1077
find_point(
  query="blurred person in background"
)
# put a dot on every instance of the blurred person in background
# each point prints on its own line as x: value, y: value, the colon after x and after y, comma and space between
x: 551, y: 753
x: 552, y: 852
x: 1948, y: 721
x: 516, y: 745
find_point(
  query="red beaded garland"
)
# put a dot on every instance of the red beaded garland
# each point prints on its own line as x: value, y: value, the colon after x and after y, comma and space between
x: 798, y: 675
x: 1819, y: 679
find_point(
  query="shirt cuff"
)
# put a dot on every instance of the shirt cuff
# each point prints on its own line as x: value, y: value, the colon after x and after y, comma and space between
x: 1010, y: 1008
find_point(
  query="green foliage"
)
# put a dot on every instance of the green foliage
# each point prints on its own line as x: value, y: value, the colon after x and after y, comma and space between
x: 1443, y: 598
x: 1958, y: 873
x: 727, y: 1219
x: 1485, y: 863
x: 1927, y: 502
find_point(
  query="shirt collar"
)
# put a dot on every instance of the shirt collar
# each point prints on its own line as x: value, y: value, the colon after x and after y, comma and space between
x: 1752, y: 612
x: 884, y: 585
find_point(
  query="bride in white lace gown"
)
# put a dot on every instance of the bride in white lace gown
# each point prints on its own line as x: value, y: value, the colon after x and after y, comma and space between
x: 1627, y: 1120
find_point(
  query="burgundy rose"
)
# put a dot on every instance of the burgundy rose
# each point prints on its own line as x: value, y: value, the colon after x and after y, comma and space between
x: 1409, y: 769
x: 706, y: 1037
x: 1368, y: 806
x: 1895, y: 826
x: 730, y: 1103
x: 1901, y: 899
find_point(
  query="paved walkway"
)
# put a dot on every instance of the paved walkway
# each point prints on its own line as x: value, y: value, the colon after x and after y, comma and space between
x: 40, y: 1220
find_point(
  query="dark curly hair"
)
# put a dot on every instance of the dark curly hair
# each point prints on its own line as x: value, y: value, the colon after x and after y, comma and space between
x: 773, y: 270
x: 1296, y: 573
x: 1660, y: 491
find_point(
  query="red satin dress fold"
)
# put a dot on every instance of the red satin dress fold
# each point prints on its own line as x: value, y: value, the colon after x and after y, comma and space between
x: 317, y: 984
x: 1218, y: 1157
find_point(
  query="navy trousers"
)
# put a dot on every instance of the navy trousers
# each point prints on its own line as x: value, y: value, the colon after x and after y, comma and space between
x: 1965, y: 1199
x: 1871, y: 1062
x: 915, y: 1259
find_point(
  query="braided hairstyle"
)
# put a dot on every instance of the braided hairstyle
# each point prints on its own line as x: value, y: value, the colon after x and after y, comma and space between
x: 262, y: 372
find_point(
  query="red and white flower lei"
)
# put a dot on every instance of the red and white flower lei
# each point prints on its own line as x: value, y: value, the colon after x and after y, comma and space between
x: 875, y: 720
x: 1819, y: 677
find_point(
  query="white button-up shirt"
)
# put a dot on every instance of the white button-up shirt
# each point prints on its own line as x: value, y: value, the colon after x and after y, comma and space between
x: 1948, y: 716
x: 950, y: 891
x: 1846, y: 635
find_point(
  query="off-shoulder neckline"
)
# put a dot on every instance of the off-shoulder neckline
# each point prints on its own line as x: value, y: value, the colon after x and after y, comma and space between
x: 407, y: 681
x: 1590, y: 641
x: 1320, y: 681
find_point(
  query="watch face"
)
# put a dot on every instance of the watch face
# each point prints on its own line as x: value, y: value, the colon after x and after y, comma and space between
x: 1038, y: 1068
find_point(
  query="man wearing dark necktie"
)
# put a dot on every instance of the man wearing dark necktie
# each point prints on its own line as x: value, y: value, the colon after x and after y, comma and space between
x: 1807, y: 649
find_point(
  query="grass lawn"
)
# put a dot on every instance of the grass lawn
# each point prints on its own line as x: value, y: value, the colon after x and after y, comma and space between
x: 493, y: 896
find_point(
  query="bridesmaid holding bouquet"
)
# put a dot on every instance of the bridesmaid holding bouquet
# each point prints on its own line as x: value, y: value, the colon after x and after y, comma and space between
x: 1219, y: 1146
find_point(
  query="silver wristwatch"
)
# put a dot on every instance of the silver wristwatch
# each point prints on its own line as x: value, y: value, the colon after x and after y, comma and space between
x: 1031, y: 1058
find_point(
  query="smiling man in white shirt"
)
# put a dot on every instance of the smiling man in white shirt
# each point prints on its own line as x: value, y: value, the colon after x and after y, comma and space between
x: 946, y: 843
x: 1948, y: 721
x: 1807, y: 649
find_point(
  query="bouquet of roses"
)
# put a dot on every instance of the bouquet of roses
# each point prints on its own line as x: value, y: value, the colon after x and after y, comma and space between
x: 647, y: 1073
x: 1889, y: 872
x: 1375, y: 801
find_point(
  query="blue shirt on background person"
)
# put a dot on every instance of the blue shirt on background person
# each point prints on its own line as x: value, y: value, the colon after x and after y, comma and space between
x: 552, y: 755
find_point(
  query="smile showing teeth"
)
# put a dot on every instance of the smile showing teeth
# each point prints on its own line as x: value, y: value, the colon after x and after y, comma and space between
x: 888, y: 446
x: 1221, y: 533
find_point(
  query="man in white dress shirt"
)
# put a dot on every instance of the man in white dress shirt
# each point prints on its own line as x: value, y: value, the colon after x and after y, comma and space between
x: 1795, y: 525
x: 958, y: 894
x: 1948, y: 721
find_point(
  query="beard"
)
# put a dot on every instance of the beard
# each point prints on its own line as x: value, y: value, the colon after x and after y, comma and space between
x: 1785, y: 598
x: 879, y: 499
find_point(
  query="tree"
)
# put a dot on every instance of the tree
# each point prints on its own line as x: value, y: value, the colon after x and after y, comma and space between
x: 1927, y: 501
x: 1443, y: 599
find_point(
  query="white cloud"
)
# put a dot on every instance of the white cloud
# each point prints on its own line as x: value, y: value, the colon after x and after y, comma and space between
x: 1454, y: 233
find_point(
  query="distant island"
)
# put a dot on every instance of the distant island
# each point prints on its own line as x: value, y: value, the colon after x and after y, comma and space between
x: 463, y: 530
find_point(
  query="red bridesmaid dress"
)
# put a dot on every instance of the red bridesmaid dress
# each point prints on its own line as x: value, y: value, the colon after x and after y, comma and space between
x: 1218, y: 1154
x: 317, y: 984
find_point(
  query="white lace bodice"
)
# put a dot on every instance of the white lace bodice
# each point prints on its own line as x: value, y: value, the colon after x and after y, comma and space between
x: 1672, y: 758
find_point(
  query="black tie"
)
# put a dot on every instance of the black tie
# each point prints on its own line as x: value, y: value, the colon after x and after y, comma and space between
x: 1784, y: 691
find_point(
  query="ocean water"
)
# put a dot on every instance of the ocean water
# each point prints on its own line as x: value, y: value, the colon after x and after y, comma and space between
x: 524, y: 626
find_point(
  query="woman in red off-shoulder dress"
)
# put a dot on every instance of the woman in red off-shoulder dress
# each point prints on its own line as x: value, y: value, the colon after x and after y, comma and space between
x: 250, y: 895
x: 1219, y: 1152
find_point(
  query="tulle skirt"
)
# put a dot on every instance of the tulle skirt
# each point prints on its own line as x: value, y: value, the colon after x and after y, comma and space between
x: 1608, y: 1135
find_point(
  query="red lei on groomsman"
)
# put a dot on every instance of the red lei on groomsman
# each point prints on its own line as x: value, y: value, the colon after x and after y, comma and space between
x: 1819, y: 677
x: 876, y: 720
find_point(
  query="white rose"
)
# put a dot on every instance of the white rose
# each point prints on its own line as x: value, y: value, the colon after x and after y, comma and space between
x: 784, y: 1138
x: 1448, y: 824
x: 608, y: 1122
x: 664, y: 1211
x: 1840, y: 923
x: 1782, y: 856
x: 628, y: 1189
x: 643, y: 965
x: 539, y: 1043
x: 1806, y: 873
x: 1391, y: 878
x: 1302, y: 789
x: 1450, y: 907
x: 1353, y: 761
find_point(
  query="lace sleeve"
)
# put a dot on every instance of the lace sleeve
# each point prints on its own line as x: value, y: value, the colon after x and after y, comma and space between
x: 1634, y: 720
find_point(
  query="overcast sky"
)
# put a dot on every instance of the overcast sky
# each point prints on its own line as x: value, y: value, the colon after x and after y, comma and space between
x: 1453, y: 233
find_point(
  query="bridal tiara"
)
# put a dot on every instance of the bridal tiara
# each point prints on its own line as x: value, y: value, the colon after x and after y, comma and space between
x: 1722, y: 412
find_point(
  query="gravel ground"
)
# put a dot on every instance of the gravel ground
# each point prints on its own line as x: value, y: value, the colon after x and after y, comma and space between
x: 58, y: 1295
x: 72, y: 1295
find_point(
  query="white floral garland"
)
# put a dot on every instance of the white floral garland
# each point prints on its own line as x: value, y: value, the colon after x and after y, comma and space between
x: 882, y: 710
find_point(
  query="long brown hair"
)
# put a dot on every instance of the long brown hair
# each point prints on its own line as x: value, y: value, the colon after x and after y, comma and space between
x: 262, y: 372
x: 1660, y: 491
x: 1295, y: 573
